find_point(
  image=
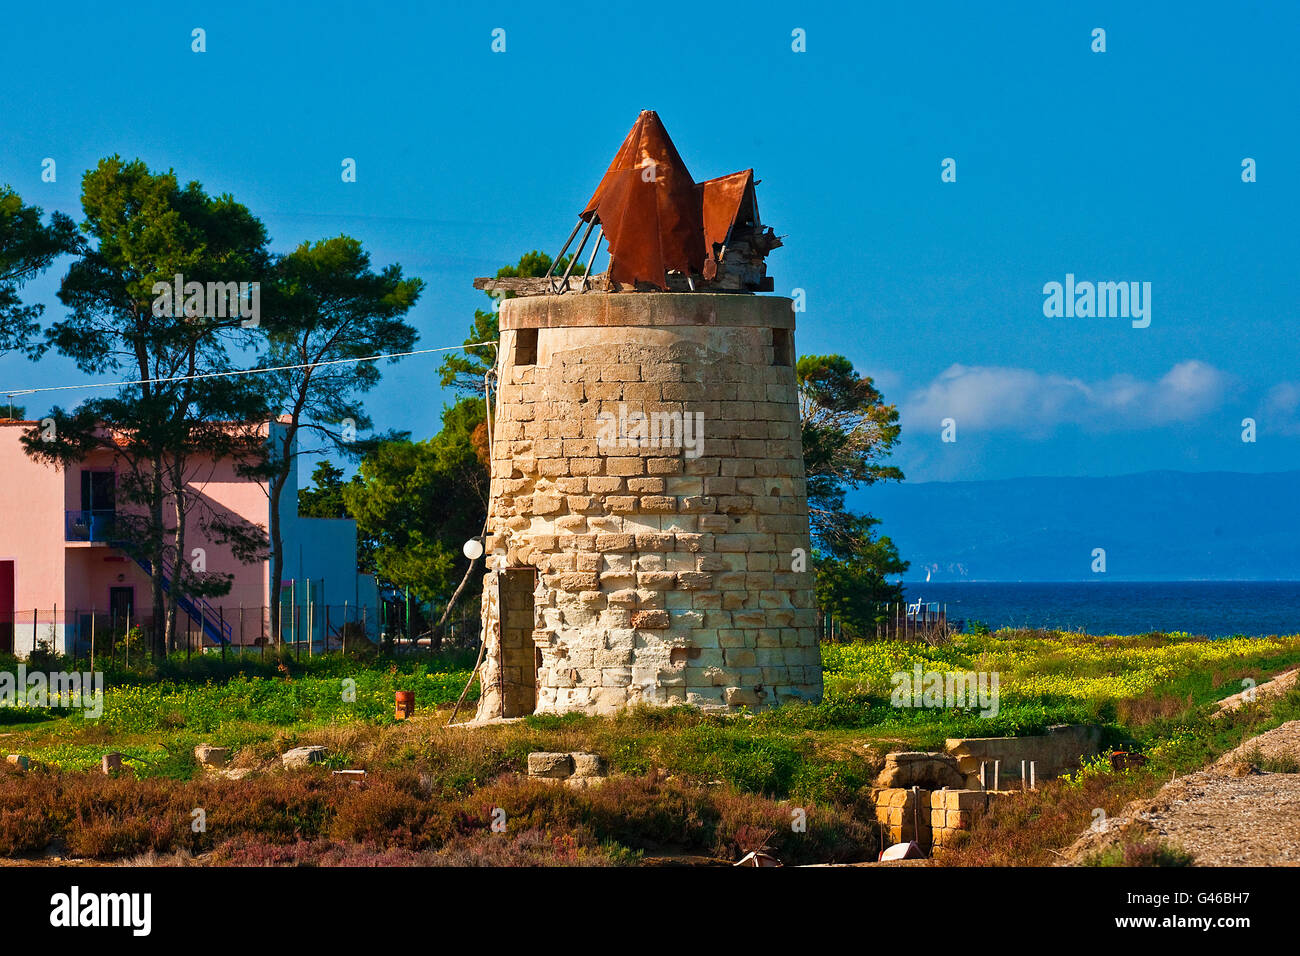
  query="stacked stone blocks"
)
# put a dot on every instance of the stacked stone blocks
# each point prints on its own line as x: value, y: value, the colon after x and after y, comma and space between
x: 667, y: 571
x: 934, y: 819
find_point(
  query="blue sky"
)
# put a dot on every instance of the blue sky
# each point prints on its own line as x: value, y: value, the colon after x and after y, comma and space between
x: 1115, y: 166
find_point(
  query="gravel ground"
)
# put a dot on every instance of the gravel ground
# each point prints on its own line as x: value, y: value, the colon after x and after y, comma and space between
x: 1276, y: 687
x: 1226, y: 814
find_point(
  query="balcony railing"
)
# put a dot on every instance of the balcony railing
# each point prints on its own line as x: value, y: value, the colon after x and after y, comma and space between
x: 89, y: 525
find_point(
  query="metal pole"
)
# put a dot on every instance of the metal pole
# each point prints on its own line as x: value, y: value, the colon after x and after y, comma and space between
x: 586, y: 276
x: 564, y: 281
x: 92, y: 639
x: 293, y: 604
x: 221, y: 631
x: 311, y: 620
x: 551, y: 270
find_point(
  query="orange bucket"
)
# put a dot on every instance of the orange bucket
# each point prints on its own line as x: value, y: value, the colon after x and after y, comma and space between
x: 405, y: 704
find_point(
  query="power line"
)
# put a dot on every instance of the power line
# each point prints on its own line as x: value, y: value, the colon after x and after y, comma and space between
x: 245, y: 371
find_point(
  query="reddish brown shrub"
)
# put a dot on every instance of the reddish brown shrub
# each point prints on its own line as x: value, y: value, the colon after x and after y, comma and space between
x: 305, y: 818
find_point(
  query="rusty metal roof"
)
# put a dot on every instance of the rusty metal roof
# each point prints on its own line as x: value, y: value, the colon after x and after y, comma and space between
x: 665, y: 230
x: 655, y: 217
x: 722, y: 201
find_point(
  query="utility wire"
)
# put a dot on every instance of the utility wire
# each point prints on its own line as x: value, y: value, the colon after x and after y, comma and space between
x: 246, y: 371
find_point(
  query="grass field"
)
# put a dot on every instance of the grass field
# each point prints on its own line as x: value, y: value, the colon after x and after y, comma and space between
x: 693, y: 783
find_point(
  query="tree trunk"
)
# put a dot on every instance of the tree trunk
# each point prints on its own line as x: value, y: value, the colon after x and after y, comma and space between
x: 277, y: 561
x: 157, y: 641
x: 274, y: 528
x: 179, y: 569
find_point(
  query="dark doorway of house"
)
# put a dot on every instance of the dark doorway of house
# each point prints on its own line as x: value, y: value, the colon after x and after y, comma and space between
x: 97, y: 492
x: 98, y: 504
x: 121, y: 606
x: 518, y: 654
x: 81, y: 641
x: 7, y: 606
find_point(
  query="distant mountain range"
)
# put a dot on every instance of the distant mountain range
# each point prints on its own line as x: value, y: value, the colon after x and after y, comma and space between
x: 1154, y: 526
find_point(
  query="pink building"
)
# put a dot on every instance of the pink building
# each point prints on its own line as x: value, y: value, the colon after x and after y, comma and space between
x: 59, y: 564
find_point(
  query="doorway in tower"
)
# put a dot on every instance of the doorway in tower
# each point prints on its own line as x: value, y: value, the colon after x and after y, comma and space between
x: 518, y: 653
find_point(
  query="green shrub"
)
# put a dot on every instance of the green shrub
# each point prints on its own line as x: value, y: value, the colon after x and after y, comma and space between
x: 1142, y: 852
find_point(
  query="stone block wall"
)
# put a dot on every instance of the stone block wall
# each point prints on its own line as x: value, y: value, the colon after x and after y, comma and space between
x: 1060, y: 750
x: 666, y: 564
x: 904, y: 815
x: 953, y: 812
x: 932, y: 818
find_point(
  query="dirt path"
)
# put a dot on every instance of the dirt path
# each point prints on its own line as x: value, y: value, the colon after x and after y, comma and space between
x: 1228, y: 814
x: 1276, y: 687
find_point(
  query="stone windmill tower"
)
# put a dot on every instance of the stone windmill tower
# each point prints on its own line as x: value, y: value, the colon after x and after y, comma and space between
x: 648, y: 527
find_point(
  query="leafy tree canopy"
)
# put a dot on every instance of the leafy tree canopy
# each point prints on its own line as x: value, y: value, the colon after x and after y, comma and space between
x: 848, y: 433
x: 464, y: 371
x: 142, y: 228
x: 27, y: 248
x: 420, y: 501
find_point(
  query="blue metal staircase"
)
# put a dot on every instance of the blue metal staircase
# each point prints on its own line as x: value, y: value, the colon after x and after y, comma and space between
x: 209, y: 618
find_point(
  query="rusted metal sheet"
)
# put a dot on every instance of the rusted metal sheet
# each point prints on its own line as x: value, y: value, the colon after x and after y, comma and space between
x: 649, y: 208
x: 721, y: 201
x: 656, y: 217
x: 664, y: 230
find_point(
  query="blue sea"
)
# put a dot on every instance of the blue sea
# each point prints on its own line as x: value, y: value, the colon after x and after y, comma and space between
x: 1212, y: 608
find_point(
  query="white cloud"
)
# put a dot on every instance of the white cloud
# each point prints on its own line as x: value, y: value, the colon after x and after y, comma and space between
x: 993, y: 397
x: 1281, y: 409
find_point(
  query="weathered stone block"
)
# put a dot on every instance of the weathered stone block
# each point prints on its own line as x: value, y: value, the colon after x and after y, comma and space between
x: 300, y: 757
x: 588, y: 765
x: 650, y: 620
x: 656, y: 580
x: 624, y: 466
x: 210, y: 756
x: 744, y: 697
x: 913, y: 768
x: 555, y: 766
x: 694, y: 580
